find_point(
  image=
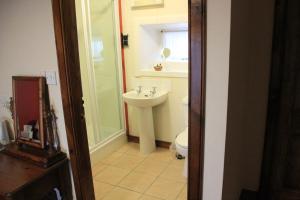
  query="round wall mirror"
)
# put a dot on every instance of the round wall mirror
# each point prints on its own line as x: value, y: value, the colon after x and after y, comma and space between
x: 165, y: 53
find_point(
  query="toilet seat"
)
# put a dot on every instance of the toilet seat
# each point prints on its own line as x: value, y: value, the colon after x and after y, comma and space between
x: 182, y: 139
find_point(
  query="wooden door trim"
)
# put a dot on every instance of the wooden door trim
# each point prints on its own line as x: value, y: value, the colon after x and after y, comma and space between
x: 197, y: 95
x: 65, y: 28
x: 64, y: 14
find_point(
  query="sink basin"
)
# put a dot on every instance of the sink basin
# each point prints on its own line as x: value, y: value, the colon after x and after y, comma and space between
x: 145, y: 99
x: 143, y: 104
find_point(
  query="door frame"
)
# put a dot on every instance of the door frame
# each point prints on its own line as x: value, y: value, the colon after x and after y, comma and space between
x: 65, y: 28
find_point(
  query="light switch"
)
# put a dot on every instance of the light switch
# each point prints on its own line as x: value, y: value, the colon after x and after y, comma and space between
x: 51, y: 77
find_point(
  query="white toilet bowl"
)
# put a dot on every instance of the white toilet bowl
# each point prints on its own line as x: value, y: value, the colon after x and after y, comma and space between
x: 181, y: 144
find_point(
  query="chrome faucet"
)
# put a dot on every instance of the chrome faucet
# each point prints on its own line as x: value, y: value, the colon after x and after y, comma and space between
x: 153, y: 92
x: 139, y: 89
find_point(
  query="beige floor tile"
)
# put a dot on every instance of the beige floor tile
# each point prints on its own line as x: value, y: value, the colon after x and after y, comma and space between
x: 134, y: 149
x: 111, y: 158
x: 124, y: 148
x: 162, y: 155
x: 165, y: 189
x: 127, y: 162
x: 114, y: 178
x: 173, y: 173
x: 99, y: 167
x: 145, y: 197
x: 101, y: 189
x: 122, y: 194
x: 137, y: 182
x: 112, y: 175
x: 183, y: 194
x: 177, y: 163
x: 150, y: 167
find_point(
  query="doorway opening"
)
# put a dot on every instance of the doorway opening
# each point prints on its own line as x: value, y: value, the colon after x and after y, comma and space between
x: 104, y: 79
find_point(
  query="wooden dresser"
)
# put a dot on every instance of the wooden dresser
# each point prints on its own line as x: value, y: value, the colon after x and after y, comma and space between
x: 21, y: 180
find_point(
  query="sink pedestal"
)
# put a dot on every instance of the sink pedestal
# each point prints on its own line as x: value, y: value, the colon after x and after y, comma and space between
x: 143, y: 103
x: 146, y: 130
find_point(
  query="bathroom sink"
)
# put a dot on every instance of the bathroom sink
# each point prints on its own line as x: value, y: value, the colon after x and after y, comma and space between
x: 145, y: 99
x: 143, y: 103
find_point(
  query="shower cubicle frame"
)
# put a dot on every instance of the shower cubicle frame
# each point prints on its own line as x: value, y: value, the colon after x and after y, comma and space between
x: 87, y: 34
x: 64, y: 14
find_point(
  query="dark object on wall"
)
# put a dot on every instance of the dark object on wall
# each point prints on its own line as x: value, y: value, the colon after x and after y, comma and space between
x: 20, y: 180
x: 33, y: 122
x: 125, y: 42
x: 281, y: 164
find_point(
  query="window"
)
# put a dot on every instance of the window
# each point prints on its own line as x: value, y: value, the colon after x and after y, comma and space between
x: 177, y: 42
x: 97, y: 49
x: 164, y: 44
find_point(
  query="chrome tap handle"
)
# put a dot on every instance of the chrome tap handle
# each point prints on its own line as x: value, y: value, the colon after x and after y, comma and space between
x: 139, y: 90
x: 153, y: 92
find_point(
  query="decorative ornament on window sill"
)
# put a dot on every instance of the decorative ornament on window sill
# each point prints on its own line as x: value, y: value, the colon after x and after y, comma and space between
x: 158, y: 67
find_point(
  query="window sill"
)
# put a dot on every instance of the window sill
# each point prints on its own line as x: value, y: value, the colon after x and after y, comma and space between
x: 168, y: 74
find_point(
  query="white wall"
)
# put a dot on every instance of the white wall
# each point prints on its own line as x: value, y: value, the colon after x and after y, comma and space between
x: 28, y: 48
x: 218, y: 47
x: 250, y: 60
x: 168, y: 118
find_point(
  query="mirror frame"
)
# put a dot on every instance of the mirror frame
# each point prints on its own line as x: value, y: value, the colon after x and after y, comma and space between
x: 42, y: 82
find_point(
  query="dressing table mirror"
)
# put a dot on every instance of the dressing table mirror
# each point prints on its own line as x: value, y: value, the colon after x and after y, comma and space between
x: 29, y: 104
x: 34, y: 123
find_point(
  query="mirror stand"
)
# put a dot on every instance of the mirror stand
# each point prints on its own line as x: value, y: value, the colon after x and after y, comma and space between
x: 35, y: 123
x: 41, y: 157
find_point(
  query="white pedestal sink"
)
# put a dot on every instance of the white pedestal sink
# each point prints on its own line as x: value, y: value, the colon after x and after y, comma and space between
x: 144, y: 103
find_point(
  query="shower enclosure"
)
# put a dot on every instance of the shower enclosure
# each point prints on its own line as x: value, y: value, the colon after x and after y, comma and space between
x: 100, y: 60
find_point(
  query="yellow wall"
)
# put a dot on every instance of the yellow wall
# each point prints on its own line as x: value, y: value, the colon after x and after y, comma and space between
x: 168, y: 118
x: 218, y: 51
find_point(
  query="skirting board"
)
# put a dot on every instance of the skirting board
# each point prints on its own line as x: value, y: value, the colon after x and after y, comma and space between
x: 159, y: 143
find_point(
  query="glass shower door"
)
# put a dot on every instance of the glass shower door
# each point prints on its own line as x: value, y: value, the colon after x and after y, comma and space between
x: 100, y: 59
x: 104, y: 41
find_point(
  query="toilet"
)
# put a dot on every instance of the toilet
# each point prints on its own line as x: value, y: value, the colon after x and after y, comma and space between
x: 181, y: 141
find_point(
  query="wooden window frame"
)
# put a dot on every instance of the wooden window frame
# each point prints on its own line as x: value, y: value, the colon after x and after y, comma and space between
x: 64, y: 15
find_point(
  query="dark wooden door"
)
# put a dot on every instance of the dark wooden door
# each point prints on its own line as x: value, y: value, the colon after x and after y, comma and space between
x: 281, y: 168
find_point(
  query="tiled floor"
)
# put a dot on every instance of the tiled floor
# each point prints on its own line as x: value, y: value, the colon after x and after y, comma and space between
x: 128, y: 175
